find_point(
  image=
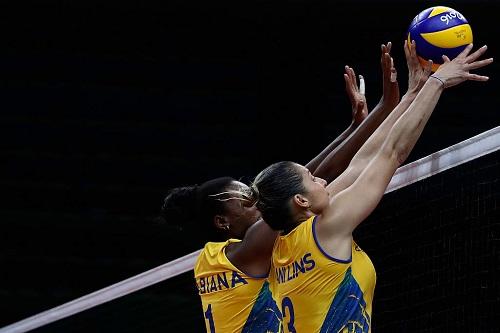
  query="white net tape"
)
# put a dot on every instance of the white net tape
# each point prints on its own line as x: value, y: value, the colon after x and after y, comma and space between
x: 475, y: 147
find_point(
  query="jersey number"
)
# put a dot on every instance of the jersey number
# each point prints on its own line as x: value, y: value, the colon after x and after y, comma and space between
x: 210, y: 318
x: 287, y: 303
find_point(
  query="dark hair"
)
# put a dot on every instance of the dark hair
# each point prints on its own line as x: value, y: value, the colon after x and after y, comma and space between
x: 273, y: 188
x: 193, y: 207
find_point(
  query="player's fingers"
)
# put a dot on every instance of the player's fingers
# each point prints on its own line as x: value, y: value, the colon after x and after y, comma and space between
x: 466, y: 51
x: 349, y: 76
x: 347, y: 81
x: 479, y: 64
x: 354, y: 81
x: 407, y: 49
x: 394, y: 75
x: 479, y: 52
x: 445, y: 58
x: 353, y: 86
x: 413, y: 54
x: 389, y: 47
x: 413, y: 49
x: 362, y: 85
x: 387, y: 61
x: 475, y: 77
x: 348, y: 87
x: 383, y: 49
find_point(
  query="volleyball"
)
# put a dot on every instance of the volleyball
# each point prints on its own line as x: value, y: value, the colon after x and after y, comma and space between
x: 439, y: 31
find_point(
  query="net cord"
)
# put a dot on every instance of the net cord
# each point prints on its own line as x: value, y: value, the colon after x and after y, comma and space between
x: 475, y: 147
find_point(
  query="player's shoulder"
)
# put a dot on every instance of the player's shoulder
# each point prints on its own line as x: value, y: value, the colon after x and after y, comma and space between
x: 213, y: 255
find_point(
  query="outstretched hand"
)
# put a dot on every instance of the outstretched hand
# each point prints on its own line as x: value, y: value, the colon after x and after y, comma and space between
x: 456, y: 71
x: 417, y: 74
x: 390, y: 83
x: 356, y: 95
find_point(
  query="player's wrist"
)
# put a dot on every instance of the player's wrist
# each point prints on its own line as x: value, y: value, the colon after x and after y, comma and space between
x: 437, y: 80
x: 436, y: 77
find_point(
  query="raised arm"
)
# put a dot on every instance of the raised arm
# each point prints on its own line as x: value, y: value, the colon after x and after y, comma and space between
x: 342, y: 216
x: 359, y: 113
x: 337, y: 160
x: 417, y: 76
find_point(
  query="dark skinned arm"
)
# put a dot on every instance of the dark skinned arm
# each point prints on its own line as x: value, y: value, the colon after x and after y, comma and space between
x: 315, y: 162
x: 359, y: 113
x: 339, y: 158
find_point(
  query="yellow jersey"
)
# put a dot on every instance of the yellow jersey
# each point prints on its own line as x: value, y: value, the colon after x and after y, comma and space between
x: 316, y: 292
x: 232, y: 300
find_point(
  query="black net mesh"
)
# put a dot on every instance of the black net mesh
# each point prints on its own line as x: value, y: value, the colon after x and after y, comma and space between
x: 436, y: 248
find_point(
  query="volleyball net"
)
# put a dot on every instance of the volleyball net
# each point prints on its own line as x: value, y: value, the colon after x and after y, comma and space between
x: 441, y: 253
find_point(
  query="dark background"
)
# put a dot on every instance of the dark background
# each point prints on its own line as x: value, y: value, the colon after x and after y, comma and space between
x: 106, y: 105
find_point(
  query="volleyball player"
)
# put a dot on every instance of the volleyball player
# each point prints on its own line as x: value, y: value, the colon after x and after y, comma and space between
x: 231, y: 271
x: 323, y: 280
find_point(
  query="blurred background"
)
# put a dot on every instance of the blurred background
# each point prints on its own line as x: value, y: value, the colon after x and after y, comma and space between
x: 106, y: 105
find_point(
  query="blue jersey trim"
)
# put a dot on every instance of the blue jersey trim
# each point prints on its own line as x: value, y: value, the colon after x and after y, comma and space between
x: 323, y: 251
x: 348, y: 309
x: 265, y: 315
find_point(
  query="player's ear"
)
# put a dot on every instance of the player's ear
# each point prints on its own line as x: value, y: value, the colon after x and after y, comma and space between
x: 221, y: 223
x: 301, y: 201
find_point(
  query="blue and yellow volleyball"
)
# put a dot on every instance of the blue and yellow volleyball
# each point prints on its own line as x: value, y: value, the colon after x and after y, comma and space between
x: 439, y: 31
